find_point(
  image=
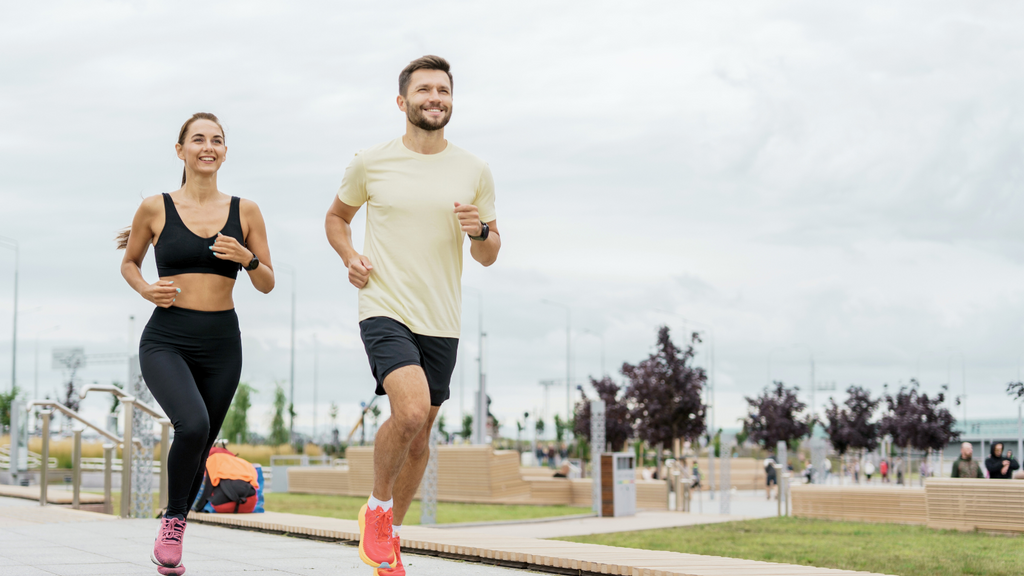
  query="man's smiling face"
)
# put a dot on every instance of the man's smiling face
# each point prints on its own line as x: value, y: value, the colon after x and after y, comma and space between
x: 428, y: 100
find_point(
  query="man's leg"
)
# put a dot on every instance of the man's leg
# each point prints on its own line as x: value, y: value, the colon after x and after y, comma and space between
x: 410, y: 409
x: 412, y: 471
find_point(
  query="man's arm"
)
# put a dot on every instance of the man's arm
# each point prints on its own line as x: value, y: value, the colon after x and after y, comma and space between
x: 956, y: 469
x: 483, y: 251
x: 486, y: 252
x: 339, y: 234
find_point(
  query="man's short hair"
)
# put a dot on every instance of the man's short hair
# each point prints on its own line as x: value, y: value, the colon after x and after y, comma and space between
x: 423, y: 63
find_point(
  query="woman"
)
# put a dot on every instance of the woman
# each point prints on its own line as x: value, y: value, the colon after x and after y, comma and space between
x: 191, y: 352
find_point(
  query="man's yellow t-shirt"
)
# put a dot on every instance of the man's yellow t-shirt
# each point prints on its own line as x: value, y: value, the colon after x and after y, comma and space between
x: 413, y: 238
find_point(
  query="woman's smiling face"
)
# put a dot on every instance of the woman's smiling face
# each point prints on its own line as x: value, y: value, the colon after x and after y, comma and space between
x: 203, y: 150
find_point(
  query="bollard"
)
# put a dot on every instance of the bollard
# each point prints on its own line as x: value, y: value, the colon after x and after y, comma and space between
x: 45, y: 466
x: 76, y: 470
x: 108, y: 472
x: 165, y: 447
x: 126, y: 459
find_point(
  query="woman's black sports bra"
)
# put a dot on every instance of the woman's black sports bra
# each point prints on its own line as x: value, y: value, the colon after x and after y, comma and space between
x: 181, y: 251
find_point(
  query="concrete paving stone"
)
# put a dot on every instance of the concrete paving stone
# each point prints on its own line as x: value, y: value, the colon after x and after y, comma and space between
x: 23, y: 571
x: 100, y: 569
x: 48, y: 556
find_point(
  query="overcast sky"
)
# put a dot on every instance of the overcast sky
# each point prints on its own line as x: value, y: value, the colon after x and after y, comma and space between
x: 841, y: 176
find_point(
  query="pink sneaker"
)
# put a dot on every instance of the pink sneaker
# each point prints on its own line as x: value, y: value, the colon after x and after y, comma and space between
x: 167, y: 548
x: 168, y: 571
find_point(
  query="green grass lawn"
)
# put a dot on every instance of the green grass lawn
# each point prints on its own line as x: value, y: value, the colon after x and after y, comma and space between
x: 346, y: 507
x: 882, y: 548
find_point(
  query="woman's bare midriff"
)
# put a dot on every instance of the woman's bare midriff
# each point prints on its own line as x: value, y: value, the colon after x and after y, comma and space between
x: 203, y: 292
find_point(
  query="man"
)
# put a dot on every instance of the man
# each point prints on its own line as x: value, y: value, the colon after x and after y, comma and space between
x: 965, y: 466
x: 998, y: 466
x: 423, y: 196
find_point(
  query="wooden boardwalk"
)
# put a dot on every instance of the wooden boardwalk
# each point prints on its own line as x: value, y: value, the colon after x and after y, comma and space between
x: 524, y: 553
x: 54, y: 495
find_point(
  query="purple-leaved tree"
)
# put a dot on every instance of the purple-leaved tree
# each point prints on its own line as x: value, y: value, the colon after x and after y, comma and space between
x: 664, y: 393
x: 850, y: 426
x: 616, y: 415
x: 774, y: 416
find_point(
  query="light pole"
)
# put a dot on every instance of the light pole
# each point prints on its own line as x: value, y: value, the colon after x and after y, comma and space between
x: 13, y: 244
x: 601, y: 337
x: 35, y: 385
x: 711, y: 364
x: 480, y: 417
x: 291, y: 369
x: 316, y: 370
x: 568, y: 356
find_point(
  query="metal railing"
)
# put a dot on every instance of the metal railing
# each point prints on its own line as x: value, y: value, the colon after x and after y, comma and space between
x: 130, y: 403
x: 76, y: 453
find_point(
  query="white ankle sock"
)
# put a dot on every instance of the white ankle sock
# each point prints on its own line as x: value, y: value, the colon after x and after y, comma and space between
x: 374, y: 503
x: 396, y: 530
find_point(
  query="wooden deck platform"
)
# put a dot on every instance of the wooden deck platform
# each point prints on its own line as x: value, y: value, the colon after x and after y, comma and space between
x: 53, y: 496
x: 525, y: 553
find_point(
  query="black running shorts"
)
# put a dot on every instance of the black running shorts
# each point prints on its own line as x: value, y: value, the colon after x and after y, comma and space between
x: 390, y: 345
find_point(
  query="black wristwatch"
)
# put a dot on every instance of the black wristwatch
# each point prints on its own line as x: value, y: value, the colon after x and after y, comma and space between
x: 253, y: 264
x: 485, y: 230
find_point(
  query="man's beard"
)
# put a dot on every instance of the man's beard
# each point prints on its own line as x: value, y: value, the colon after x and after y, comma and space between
x: 416, y: 117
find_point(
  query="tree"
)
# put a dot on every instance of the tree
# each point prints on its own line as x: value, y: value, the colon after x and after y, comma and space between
x: 617, y: 427
x: 665, y: 393
x: 278, y: 431
x: 561, y: 426
x: 773, y: 417
x: 539, y: 426
x: 6, y: 400
x: 915, y: 420
x: 850, y: 426
x: 236, y: 424
x: 467, y: 426
x: 440, y: 427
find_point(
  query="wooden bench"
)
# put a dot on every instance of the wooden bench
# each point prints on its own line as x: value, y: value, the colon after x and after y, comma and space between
x: 860, y: 503
x: 976, y: 504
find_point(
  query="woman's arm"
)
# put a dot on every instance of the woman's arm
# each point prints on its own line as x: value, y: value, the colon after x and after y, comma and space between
x: 161, y: 292
x: 227, y: 248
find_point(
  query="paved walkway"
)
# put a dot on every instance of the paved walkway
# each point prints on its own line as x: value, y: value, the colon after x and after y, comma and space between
x: 43, y: 541
x: 526, y: 553
x: 593, y: 525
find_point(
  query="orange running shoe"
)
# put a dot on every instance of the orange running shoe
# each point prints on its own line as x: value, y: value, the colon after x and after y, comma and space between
x: 375, y: 546
x: 399, y: 569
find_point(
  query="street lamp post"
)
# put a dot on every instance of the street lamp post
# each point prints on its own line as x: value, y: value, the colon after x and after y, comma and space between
x: 479, y: 432
x: 13, y: 244
x: 601, y: 337
x: 568, y: 357
x: 291, y: 368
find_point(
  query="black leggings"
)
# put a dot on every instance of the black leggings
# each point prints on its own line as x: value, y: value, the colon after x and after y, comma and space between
x: 191, y: 362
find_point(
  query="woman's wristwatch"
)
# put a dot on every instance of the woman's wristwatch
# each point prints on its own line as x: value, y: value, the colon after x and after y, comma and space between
x: 253, y: 264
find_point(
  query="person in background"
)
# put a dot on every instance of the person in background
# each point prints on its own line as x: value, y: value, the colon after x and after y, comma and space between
x: 883, y: 469
x: 965, y: 466
x: 999, y: 466
x: 869, y: 470
x: 771, y: 477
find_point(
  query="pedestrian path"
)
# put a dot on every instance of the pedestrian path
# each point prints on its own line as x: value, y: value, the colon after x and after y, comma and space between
x: 51, y: 540
x: 545, y: 528
x: 523, y: 553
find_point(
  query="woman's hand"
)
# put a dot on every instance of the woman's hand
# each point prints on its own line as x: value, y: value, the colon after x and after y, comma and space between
x: 227, y: 248
x: 162, y: 293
